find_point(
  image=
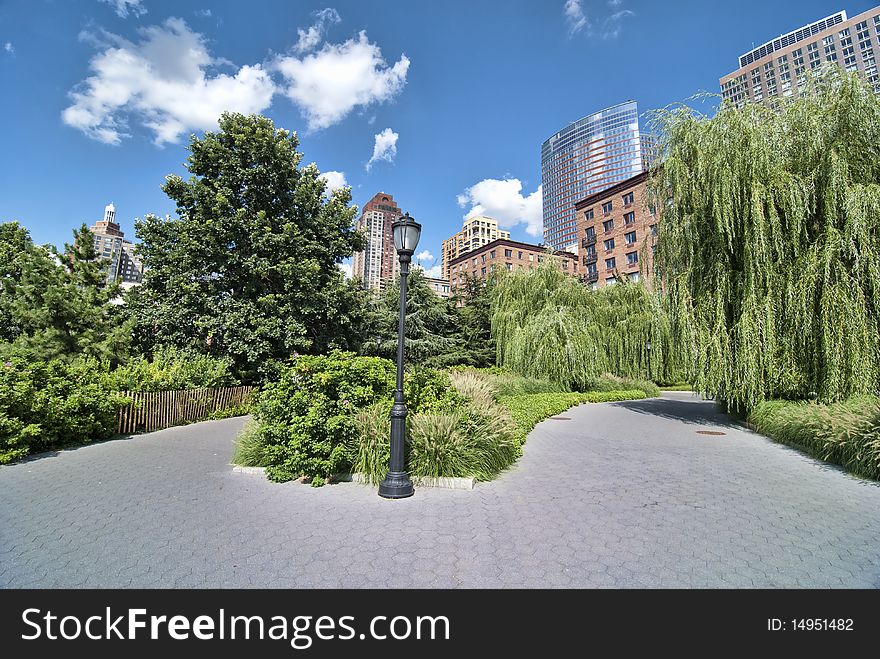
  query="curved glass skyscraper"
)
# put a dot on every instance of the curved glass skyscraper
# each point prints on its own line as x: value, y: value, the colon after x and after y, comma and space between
x: 585, y: 157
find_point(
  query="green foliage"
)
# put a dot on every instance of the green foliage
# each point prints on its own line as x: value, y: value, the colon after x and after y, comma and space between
x: 527, y: 410
x: 845, y: 432
x: 57, y: 305
x: 369, y: 451
x: 769, y: 243
x: 307, y: 418
x: 473, y: 302
x: 548, y: 325
x: 50, y: 404
x: 172, y: 369
x: 431, y: 332
x: 249, y: 268
x: 609, y: 382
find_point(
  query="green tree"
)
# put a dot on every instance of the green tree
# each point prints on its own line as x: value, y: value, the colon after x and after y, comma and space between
x: 57, y: 305
x: 249, y: 269
x: 473, y: 299
x: 769, y: 242
x: 431, y: 336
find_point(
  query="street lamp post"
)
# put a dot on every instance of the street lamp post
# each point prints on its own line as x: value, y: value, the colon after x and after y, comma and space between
x: 397, y: 484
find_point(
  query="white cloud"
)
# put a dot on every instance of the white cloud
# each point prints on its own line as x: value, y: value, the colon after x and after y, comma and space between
x: 503, y: 200
x: 204, y: 13
x: 330, y: 83
x: 384, y: 147
x: 615, y: 3
x: 9, y: 48
x: 424, y: 255
x: 335, y: 180
x: 164, y: 82
x: 125, y: 7
x: 346, y: 266
x: 309, y: 39
x: 433, y: 271
x: 612, y: 26
x: 575, y: 17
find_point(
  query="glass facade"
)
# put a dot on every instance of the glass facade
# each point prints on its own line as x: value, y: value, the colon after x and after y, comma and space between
x: 585, y: 157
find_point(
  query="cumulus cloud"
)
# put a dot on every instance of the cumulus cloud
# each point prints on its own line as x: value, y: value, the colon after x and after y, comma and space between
x: 424, y: 255
x: 309, y: 39
x: 124, y: 8
x: 503, y: 200
x: 575, y: 17
x: 165, y: 82
x: 335, y: 180
x: 384, y: 147
x: 346, y: 266
x: 9, y: 48
x: 433, y: 271
x: 328, y: 84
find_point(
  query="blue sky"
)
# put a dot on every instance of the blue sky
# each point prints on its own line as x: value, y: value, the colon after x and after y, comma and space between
x: 450, y: 100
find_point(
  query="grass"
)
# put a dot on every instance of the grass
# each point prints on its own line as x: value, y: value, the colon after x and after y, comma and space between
x: 250, y: 448
x: 527, y: 410
x: 677, y: 387
x: 845, y: 433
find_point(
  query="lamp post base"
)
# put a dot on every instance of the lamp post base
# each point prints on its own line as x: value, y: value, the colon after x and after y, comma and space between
x: 396, y: 485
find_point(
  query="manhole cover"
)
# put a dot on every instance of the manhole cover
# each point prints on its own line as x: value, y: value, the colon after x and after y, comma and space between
x: 710, y: 432
x: 561, y: 418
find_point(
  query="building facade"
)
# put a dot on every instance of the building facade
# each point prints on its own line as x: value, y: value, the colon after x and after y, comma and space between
x: 778, y: 69
x: 586, y: 157
x: 123, y: 264
x: 441, y: 287
x: 377, y: 265
x: 618, y: 230
x: 505, y: 254
x: 476, y: 232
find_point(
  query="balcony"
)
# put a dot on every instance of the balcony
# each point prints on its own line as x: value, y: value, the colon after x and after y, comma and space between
x: 589, y: 240
x: 588, y: 259
x: 591, y: 277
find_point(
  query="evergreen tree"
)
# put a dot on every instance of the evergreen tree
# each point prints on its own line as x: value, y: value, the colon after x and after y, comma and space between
x: 474, y: 301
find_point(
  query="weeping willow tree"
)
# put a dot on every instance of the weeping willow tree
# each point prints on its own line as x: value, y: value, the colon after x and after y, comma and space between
x: 547, y: 324
x: 770, y: 241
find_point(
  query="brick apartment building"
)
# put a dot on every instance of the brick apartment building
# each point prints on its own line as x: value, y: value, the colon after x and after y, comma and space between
x: 503, y: 254
x: 618, y: 230
x: 377, y: 265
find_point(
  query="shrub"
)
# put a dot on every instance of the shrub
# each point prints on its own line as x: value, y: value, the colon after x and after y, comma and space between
x: 846, y: 433
x: 369, y: 451
x: 307, y: 418
x: 608, y: 382
x: 473, y: 387
x: 171, y: 369
x: 527, y: 410
x: 50, y: 404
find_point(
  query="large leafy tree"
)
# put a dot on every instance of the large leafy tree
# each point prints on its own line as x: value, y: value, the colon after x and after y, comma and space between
x: 57, y: 305
x: 770, y: 242
x: 473, y: 298
x: 249, y: 268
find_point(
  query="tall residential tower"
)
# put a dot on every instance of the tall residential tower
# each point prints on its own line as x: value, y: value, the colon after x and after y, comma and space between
x: 476, y: 232
x: 778, y: 68
x: 586, y: 157
x: 111, y: 245
x: 377, y: 265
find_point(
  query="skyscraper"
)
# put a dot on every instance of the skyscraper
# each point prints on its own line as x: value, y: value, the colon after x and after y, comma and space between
x: 778, y: 68
x: 476, y: 232
x: 586, y: 157
x: 377, y: 265
x: 111, y: 245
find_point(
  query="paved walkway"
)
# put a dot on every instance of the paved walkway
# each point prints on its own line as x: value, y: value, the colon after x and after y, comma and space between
x: 619, y: 495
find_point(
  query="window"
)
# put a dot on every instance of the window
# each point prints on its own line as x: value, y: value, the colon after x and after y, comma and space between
x: 607, y: 207
x: 588, y: 214
x: 519, y: 255
x: 630, y: 238
x: 509, y: 266
x: 591, y: 233
x: 633, y: 276
x: 492, y: 254
x: 653, y: 229
x: 483, y: 270
x: 540, y: 258
x: 475, y: 260
x: 590, y: 252
x: 531, y: 257
x: 592, y: 269
x: 629, y: 218
x: 610, y: 281
x: 608, y: 225
x: 632, y: 258
x: 609, y: 244
x: 508, y: 253
x: 483, y: 257
x: 565, y: 264
x: 610, y: 263
x: 628, y: 199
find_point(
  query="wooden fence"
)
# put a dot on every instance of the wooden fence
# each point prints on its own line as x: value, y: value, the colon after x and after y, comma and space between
x: 154, y: 410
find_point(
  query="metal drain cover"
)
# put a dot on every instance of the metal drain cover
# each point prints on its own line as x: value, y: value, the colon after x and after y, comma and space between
x: 561, y: 418
x: 710, y: 432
